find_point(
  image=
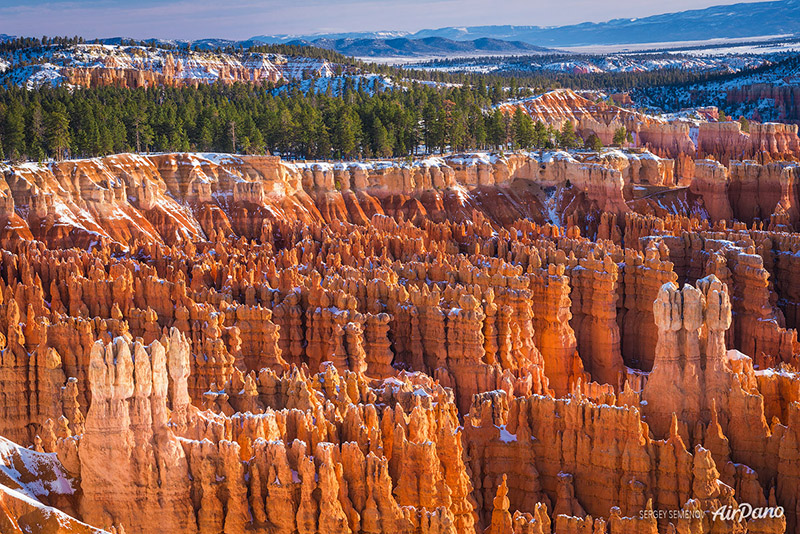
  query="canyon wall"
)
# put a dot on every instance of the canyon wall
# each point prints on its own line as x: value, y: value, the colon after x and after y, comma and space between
x: 726, y: 141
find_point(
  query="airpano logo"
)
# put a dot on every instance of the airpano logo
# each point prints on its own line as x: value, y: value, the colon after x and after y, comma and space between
x: 746, y: 511
x: 743, y: 512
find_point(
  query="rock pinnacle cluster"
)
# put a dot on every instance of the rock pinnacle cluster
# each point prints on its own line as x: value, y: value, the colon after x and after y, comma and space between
x: 528, y: 343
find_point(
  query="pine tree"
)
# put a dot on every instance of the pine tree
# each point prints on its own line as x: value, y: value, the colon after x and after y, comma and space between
x: 206, y: 139
x: 552, y: 137
x: 36, y: 131
x: 381, y: 145
x: 620, y: 136
x: 540, y: 137
x: 257, y: 142
x: 497, y: 93
x: 497, y: 129
x: 593, y: 142
x: 14, y: 132
x: 137, y: 127
x: 523, y: 129
x: 322, y: 144
x: 58, y: 137
x: 111, y: 119
x: 434, y: 120
x: 744, y: 124
x: 478, y: 129
x: 146, y: 136
x: 456, y: 131
x: 567, y: 137
x: 344, y: 138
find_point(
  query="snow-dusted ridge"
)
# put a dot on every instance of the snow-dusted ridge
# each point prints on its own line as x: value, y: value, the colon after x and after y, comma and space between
x: 57, y: 64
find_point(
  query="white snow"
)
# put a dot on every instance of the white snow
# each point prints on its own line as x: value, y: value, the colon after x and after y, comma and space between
x: 551, y: 205
x: 711, y: 60
x: 376, y: 165
x: 558, y: 155
x: 219, y: 159
x: 505, y: 435
x: 474, y: 158
x: 335, y: 85
x: 46, y: 472
x: 643, y: 47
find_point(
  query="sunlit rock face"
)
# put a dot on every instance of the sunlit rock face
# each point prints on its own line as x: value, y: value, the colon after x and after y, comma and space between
x: 537, y: 343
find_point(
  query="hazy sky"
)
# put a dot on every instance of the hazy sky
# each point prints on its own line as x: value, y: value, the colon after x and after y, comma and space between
x: 240, y: 19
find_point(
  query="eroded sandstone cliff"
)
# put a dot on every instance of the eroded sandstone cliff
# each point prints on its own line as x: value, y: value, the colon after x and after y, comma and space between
x: 207, y: 344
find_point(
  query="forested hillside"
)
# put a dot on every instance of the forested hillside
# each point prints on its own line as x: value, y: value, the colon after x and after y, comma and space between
x: 56, y: 122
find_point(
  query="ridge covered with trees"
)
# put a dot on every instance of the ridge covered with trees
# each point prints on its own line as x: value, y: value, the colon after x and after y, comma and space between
x: 58, y: 123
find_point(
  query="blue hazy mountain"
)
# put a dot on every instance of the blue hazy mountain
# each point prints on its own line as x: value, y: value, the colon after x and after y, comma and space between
x: 729, y: 21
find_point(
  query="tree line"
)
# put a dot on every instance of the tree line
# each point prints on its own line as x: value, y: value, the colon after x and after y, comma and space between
x: 58, y: 123
x: 21, y: 43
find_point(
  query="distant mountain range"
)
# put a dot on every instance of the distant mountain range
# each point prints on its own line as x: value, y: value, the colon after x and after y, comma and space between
x: 427, y: 46
x: 375, y: 46
x: 728, y: 21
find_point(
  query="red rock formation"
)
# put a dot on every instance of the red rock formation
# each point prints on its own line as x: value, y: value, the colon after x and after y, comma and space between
x: 93, y: 65
x: 758, y: 191
x: 31, y: 374
x: 126, y: 437
x: 711, y: 181
x: 685, y: 362
x: 36, y: 493
x: 394, y: 357
x: 601, y: 119
x: 594, y: 317
x: 643, y: 276
x: 555, y: 337
x: 571, y: 469
x: 727, y: 141
x: 759, y: 325
x: 671, y: 139
x: 642, y: 168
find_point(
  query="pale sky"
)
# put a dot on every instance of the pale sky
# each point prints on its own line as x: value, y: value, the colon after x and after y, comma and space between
x: 241, y: 19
